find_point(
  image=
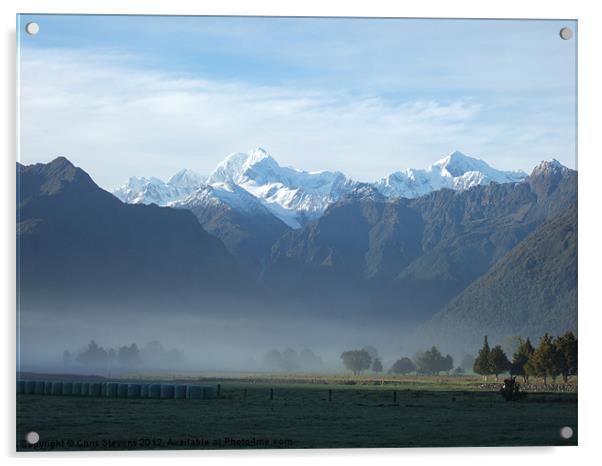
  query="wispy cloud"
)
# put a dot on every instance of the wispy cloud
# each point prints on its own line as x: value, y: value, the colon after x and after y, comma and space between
x: 115, y: 118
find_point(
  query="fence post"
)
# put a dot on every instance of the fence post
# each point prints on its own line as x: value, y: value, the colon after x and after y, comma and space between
x: 394, y: 396
x: 271, y: 394
x: 329, y: 394
x: 244, y: 395
x: 219, y: 390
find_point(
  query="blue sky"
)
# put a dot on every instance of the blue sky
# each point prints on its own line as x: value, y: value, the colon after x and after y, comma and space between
x: 129, y: 95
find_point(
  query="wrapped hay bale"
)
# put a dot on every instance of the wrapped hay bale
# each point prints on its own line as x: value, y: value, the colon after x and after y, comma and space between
x: 48, y: 388
x: 144, y: 390
x: 195, y: 392
x: 77, y: 389
x: 167, y: 390
x: 95, y: 389
x: 67, y: 388
x: 134, y: 390
x: 40, y: 387
x: 209, y: 392
x: 85, y: 391
x: 111, y: 391
x: 180, y: 391
x: 154, y: 390
x: 20, y: 386
x: 122, y: 390
x: 30, y: 387
x: 57, y: 388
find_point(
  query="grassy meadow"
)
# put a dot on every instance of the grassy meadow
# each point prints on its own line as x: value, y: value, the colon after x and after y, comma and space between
x: 365, y: 412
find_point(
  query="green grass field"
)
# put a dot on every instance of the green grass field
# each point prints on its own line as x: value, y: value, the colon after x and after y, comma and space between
x: 428, y: 412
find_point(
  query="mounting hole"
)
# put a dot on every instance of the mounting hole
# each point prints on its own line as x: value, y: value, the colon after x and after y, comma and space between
x: 566, y: 432
x: 32, y: 28
x: 566, y: 33
x: 32, y: 438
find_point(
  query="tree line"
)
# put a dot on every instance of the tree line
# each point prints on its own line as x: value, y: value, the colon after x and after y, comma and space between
x: 429, y: 362
x: 553, y: 357
x: 126, y: 355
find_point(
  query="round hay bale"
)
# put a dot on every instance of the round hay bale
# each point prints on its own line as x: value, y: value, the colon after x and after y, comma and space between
x: 180, y: 391
x: 20, y: 386
x: 111, y: 390
x: 48, y: 388
x: 195, y: 392
x: 77, y: 389
x: 122, y: 390
x: 95, y: 389
x: 134, y: 390
x: 85, y: 391
x: 40, y: 387
x: 167, y: 390
x: 67, y: 388
x: 30, y: 387
x: 154, y: 390
x: 57, y: 388
x: 144, y: 390
x: 209, y: 392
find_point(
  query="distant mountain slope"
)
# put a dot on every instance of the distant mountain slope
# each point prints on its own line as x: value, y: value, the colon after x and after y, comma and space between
x: 411, y: 256
x: 531, y: 290
x: 239, y: 220
x: 76, y: 240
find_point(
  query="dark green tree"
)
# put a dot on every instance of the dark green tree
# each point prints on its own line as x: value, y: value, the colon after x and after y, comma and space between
x: 498, y: 361
x: 377, y: 366
x: 432, y: 362
x: 447, y: 364
x: 482, y: 363
x: 544, y: 360
x: 356, y: 361
x: 402, y: 366
x: 566, y: 348
x: 520, y: 358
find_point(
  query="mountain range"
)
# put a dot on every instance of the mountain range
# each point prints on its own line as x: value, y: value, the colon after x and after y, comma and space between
x: 296, y: 196
x: 398, y: 251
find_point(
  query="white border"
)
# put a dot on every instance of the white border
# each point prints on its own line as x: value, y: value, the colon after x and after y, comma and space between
x: 590, y: 201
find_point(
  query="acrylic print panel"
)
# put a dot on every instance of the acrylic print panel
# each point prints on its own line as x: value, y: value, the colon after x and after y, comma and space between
x: 247, y: 232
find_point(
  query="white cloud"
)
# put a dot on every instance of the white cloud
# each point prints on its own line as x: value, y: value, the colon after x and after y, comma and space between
x: 115, y: 119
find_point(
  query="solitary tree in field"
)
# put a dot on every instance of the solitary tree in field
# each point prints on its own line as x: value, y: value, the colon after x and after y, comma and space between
x: 290, y: 359
x: 402, y: 366
x: 67, y: 358
x: 566, y: 349
x: 482, y: 363
x: 377, y: 366
x: 356, y: 361
x: 520, y: 358
x: 498, y: 361
x: 544, y: 360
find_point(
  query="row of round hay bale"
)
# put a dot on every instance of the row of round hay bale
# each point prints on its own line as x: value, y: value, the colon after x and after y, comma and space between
x: 118, y: 390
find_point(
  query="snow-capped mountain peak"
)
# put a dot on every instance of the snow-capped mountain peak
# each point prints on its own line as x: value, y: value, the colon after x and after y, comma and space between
x: 456, y: 171
x: 252, y: 180
x: 156, y: 191
x: 186, y: 178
